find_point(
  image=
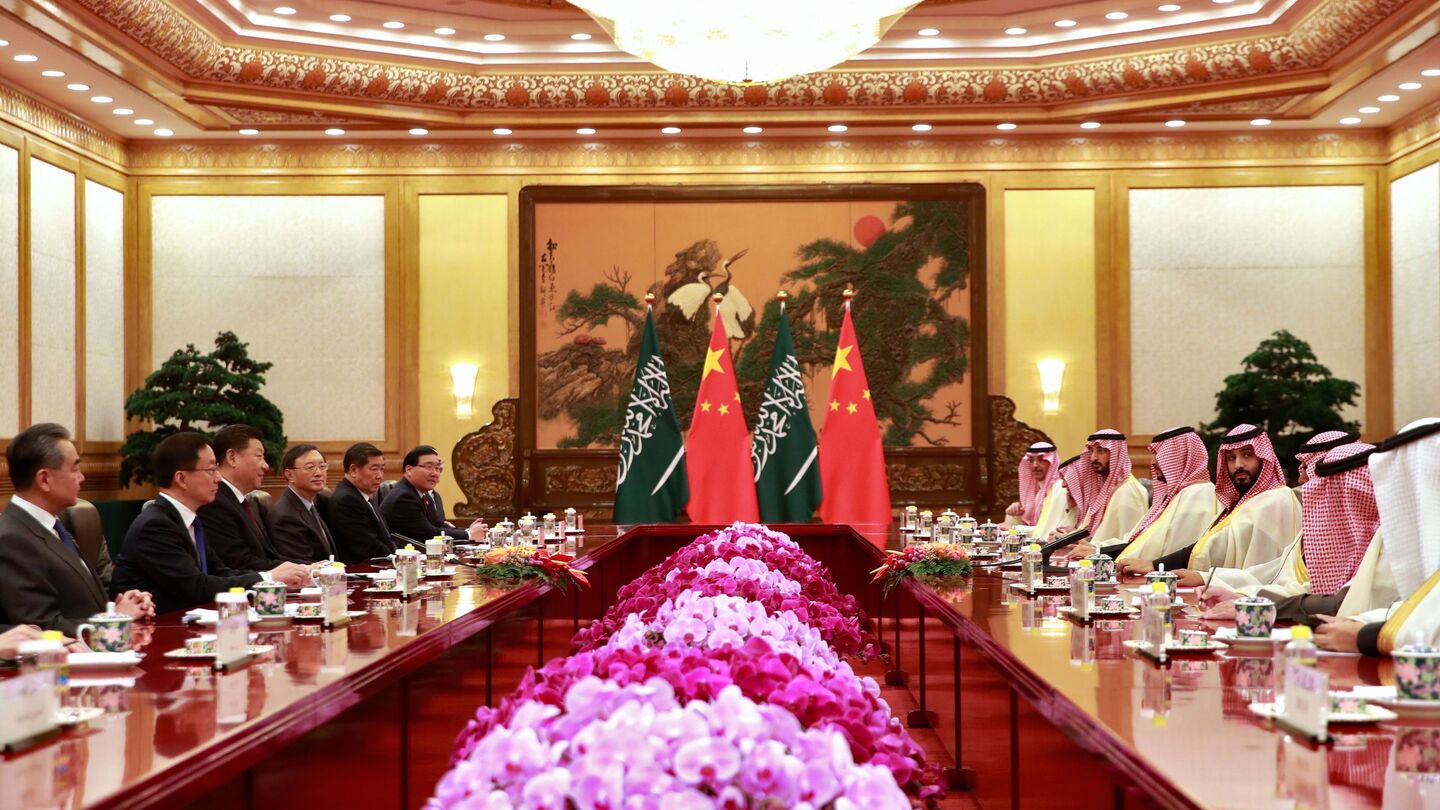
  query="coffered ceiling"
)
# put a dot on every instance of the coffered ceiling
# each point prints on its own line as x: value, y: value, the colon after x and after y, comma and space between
x: 543, y: 69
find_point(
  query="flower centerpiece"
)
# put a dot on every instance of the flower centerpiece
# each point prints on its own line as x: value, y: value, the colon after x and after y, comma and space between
x: 525, y: 562
x: 923, y: 560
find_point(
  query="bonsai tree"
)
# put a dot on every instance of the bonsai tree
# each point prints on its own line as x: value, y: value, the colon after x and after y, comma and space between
x: 1285, y: 390
x: 194, y: 391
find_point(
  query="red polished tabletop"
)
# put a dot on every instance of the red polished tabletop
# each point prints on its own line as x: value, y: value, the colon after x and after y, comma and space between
x: 167, y: 714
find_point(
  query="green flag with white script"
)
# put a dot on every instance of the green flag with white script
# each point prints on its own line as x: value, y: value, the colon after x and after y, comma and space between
x: 787, y: 472
x: 651, y: 486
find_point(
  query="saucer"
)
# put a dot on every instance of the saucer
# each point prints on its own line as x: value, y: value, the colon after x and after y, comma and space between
x: 253, y: 649
x: 104, y: 660
x: 71, y: 716
x: 1371, y: 714
x: 1174, y: 649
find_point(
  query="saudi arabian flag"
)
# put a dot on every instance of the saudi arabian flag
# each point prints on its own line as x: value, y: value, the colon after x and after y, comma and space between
x: 787, y: 475
x: 651, y: 485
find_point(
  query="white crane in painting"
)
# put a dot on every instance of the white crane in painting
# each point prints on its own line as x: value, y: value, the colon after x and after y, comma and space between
x: 734, y: 309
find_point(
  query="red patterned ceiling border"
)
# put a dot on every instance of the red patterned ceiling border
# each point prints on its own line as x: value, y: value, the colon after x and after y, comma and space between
x: 194, y: 51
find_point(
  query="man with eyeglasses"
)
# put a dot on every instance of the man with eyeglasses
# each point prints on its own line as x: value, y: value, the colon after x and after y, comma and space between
x: 45, y: 579
x: 234, y: 528
x: 296, y: 527
x: 165, y: 552
x: 352, y: 514
x: 413, y: 508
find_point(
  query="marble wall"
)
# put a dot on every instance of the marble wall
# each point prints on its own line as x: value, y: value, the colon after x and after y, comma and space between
x: 9, y: 291
x: 1213, y: 271
x: 299, y: 278
x: 52, y: 294
x: 1415, y: 292
x: 104, y: 313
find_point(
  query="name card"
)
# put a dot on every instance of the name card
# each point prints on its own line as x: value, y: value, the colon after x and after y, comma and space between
x: 232, y: 640
x: 335, y: 601
x: 1307, y: 700
x: 28, y: 705
x: 1080, y: 591
x: 1155, y: 628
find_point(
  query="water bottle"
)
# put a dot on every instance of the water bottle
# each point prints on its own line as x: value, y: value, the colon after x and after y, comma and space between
x: 1160, y: 602
x: 1082, y: 589
x: 1032, y: 567
x: 1298, y: 650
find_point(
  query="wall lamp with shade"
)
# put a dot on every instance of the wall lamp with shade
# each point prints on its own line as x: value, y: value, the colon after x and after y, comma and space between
x: 1052, y: 374
x: 462, y: 378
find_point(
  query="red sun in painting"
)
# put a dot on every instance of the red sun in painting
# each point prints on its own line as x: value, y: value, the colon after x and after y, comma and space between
x: 868, y: 229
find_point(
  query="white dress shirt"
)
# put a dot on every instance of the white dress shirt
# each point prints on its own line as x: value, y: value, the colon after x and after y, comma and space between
x: 41, y: 516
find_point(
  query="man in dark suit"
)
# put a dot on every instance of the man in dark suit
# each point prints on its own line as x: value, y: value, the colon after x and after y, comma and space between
x: 352, y: 514
x: 413, y: 508
x: 296, y: 527
x: 44, y: 579
x: 234, y: 529
x: 165, y: 551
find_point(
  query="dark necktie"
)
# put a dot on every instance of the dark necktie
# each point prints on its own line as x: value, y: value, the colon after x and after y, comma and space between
x: 200, y: 546
x: 429, y: 507
x: 325, y: 537
x: 67, y: 540
x: 254, y: 519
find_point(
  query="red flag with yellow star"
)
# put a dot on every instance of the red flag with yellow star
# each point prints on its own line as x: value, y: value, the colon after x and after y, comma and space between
x: 852, y: 462
x: 717, y: 451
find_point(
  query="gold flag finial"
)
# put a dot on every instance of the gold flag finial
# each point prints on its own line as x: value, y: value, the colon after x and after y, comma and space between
x: 717, y: 297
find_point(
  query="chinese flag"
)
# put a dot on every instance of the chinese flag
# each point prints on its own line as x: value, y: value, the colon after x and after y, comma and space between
x: 717, y: 452
x: 852, y: 463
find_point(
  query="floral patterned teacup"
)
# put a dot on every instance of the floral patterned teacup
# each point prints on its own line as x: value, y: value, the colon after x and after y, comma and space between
x: 107, y: 632
x: 1417, y: 672
x: 1104, y: 566
x: 268, y: 599
x: 1254, y: 617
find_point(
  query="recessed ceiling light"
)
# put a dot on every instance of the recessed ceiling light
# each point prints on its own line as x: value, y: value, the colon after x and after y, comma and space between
x: 1116, y: 15
x: 395, y: 24
x: 284, y: 10
x: 579, y: 37
x: 1410, y: 85
x: 164, y: 133
x: 922, y: 127
x: 929, y: 32
x: 419, y: 131
x: 1065, y: 23
x: 1430, y: 72
x: 670, y: 130
x: 1175, y: 123
x: 339, y: 18
x: 501, y: 131
x: 101, y: 99
x: 1349, y: 120
x: 1369, y: 110
x: 1169, y: 7
x: 837, y: 128
x: 26, y: 57
x: 1387, y: 98
x: 4, y: 43
x: 52, y: 74
x: 494, y: 37
x: 585, y: 131
x: 123, y: 111
x: 1015, y: 31
x: 753, y: 130
x: 144, y: 122
x: 249, y: 132
x: 1222, y: 2
x: 77, y: 87
x: 1005, y: 127
x: 445, y: 32
x: 334, y: 131
x: 1090, y: 125
x: 1260, y: 122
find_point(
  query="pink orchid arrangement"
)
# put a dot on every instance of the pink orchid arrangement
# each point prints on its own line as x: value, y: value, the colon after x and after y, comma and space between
x: 717, y: 680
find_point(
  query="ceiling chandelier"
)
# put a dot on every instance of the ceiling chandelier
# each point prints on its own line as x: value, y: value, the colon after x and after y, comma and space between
x: 745, y: 41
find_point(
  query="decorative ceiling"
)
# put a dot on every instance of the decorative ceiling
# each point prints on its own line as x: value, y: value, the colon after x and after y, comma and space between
x: 541, y: 68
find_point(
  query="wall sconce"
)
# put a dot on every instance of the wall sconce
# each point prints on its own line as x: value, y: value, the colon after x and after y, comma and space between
x: 1052, y: 373
x: 462, y: 378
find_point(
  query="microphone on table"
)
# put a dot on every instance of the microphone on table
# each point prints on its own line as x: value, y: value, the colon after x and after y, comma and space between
x: 1048, y: 549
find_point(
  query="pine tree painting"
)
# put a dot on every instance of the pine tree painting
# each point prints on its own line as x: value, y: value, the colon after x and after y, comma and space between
x: 913, y: 345
x: 204, y: 392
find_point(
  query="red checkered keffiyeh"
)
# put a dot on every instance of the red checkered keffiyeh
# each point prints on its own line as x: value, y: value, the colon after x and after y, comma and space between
x: 1315, y: 448
x: 1181, y: 457
x: 1098, y: 490
x: 1339, y: 516
x: 1270, y: 477
x: 1032, y: 492
x: 1071, y: 473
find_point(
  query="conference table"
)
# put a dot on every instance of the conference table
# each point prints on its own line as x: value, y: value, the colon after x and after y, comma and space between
x: 1035, y: 710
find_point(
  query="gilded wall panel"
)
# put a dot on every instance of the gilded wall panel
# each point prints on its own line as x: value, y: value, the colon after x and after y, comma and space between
x: 1415, y: 292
